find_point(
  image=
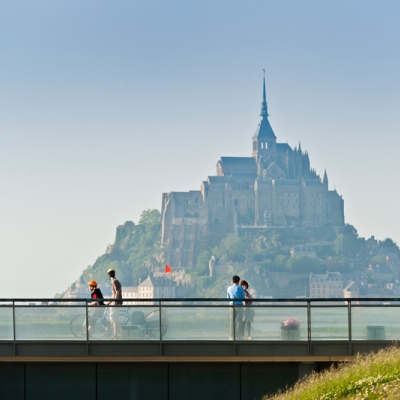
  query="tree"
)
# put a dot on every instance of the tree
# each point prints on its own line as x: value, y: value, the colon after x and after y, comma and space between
x: 389, y: 245
x: 336, y: 264
x: 247, y: 218
x: 346, y: 245
x: 280, y: 262
x: 379, y: 259
x: 202, y: 263
x: 232, y: 248
x: 350, y: 230
x: 150, y: 217
x: 304, y: 263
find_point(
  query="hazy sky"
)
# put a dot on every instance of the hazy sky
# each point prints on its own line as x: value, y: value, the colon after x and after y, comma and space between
x: 104, y: 105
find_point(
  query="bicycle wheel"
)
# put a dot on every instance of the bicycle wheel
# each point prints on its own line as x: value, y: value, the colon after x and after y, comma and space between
x: 124, y: 316
x: 78, y: 326
x: 101, y: 328
x: 153, y: 329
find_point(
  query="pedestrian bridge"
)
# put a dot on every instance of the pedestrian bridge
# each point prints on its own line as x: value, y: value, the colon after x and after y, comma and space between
x: 183, y: 345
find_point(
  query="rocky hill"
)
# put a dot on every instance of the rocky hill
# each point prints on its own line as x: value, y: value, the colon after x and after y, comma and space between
x: 276, y: 262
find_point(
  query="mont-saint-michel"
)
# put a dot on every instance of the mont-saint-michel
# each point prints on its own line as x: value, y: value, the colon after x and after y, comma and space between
x: 268, y: 216
x: 275, y: 187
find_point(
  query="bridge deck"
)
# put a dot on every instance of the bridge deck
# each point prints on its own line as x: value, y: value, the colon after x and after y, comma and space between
x: 182, y: 345
x: 184, y: 351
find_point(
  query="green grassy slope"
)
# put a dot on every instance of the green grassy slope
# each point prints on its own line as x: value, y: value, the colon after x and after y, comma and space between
x: 372, y: 376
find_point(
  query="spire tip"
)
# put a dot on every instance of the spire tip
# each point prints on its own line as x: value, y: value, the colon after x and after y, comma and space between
x: 264, y: 109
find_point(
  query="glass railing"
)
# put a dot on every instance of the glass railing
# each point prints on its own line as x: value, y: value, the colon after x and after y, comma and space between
x: 329, y: 322
x: 44, y: 323
x: 201, y: 320
x: 6, y: 321
x: 375, y: 322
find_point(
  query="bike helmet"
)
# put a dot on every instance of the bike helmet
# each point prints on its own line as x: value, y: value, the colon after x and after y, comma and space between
x: 92, y: 283
x: 110, y: 270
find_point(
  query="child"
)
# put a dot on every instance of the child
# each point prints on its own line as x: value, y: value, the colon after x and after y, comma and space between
x: 98, y: 297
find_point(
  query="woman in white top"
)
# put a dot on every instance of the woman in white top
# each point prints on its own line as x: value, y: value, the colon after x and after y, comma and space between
x: 248, y: 315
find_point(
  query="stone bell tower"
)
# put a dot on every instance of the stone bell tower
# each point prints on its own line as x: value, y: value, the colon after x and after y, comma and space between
x: 264, y: 139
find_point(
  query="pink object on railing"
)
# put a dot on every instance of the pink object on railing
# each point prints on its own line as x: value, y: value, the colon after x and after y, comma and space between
x: 291, y: 322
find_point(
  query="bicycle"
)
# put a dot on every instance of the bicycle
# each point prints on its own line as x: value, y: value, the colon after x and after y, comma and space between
x: 145, y: 324
x: 101, y: 326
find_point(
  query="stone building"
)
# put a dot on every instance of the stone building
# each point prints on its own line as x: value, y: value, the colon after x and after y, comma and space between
x: 150, y: 288
x: 179, y: 277
x: 275, y: 187
x: 130, y: 293
x: 329, y: 285
x: 156, y: 288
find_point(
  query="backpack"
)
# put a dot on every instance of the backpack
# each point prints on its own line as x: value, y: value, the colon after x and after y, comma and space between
x: 137, y: 318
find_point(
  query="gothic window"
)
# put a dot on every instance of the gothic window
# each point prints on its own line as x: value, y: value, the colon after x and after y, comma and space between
x: 266, y: 145
x: 254, y: 146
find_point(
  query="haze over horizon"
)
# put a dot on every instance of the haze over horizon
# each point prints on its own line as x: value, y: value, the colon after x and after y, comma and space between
x: 105, y: 106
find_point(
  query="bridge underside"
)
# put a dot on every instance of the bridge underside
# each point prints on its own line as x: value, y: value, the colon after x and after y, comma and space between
x: 167, y: 370
x: 130, y: 380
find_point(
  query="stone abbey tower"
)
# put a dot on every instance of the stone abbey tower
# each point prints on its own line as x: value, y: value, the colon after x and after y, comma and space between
x: 275, y: 187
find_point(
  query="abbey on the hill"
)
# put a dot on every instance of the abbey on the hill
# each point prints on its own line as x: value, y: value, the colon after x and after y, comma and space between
x: 275, y: 187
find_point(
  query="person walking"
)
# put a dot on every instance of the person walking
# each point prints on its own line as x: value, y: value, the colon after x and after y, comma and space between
x: 116, y: 289
x: 236, y: 292
x: 248, y: 314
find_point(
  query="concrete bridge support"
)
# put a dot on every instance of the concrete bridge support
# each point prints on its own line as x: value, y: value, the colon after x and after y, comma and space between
x: 94, y: 378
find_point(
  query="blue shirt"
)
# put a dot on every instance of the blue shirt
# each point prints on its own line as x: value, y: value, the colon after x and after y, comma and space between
x: 235, y: 292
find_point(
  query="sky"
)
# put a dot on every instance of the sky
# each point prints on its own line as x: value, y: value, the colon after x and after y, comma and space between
x: 105, y: 105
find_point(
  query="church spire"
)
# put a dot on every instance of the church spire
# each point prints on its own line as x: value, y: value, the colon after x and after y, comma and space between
x: 325, y: 179
x: 264, y: 108
x: 264, y: 139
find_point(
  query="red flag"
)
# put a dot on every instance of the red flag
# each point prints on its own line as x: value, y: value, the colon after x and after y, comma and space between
x: 167, y: 269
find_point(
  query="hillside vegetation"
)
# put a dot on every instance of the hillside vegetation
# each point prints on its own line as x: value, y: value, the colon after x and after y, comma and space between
x: 135, y: 253
x: 256, y: 254
x: 368, y: 377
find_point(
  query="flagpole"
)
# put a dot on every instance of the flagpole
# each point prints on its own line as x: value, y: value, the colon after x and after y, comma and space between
x: 163, y: 285
x: 166, y: 269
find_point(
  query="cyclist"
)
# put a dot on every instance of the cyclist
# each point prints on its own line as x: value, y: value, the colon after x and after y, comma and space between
x: 116, y: 289
x: 98, y: 297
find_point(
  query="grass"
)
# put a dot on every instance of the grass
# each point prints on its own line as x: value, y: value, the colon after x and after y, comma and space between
x: 367, y: 377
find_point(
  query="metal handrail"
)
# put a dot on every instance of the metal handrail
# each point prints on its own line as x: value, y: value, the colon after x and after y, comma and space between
x: 197, y: 299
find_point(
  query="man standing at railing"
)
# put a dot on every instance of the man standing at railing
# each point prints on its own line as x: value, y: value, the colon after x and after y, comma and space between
x: 236, y: 313
x: 116, y: 289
